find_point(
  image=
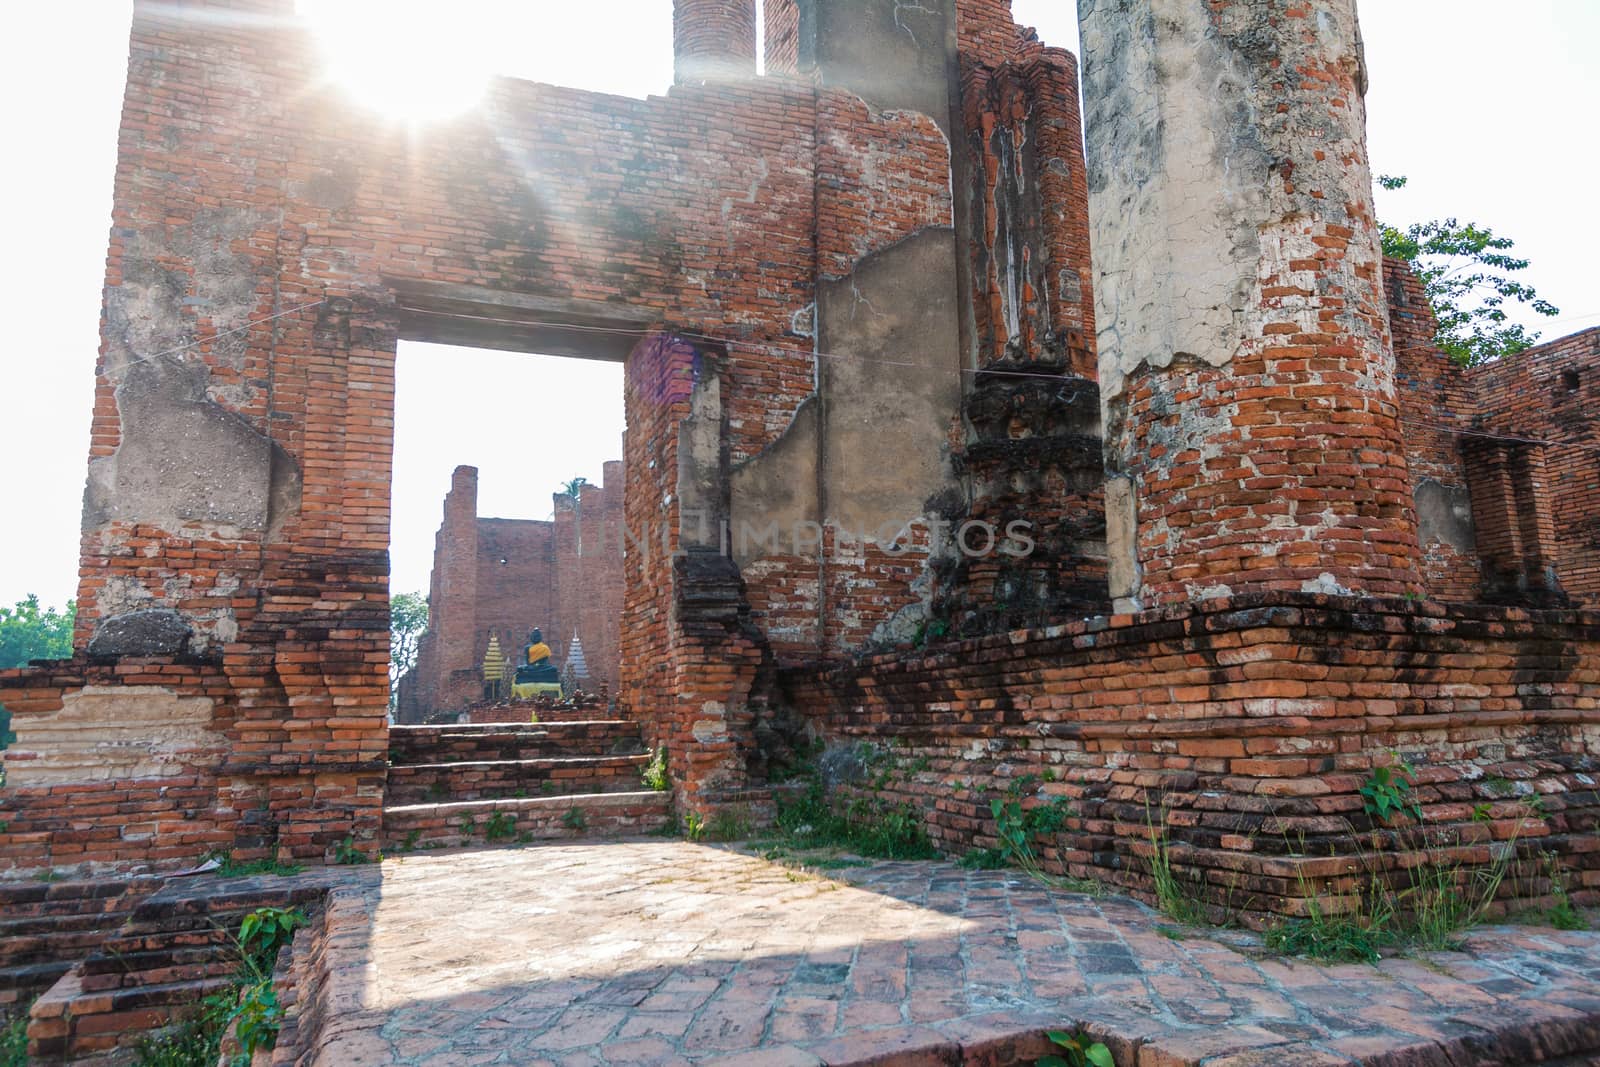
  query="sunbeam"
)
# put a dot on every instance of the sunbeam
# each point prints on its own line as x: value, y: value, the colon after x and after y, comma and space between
x: 410, y: 60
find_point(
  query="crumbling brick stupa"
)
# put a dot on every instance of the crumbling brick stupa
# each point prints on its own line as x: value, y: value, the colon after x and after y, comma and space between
x: 1273, y: 535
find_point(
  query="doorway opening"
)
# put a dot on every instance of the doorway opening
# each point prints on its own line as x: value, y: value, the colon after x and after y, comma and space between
x: 505, y: 505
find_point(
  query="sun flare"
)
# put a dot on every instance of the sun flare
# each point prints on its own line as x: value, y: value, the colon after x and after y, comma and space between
x: 412, y: 60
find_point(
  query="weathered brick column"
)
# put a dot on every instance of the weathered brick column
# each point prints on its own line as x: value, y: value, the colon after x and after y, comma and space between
x: 1252, y: 437
x: 713, y: 40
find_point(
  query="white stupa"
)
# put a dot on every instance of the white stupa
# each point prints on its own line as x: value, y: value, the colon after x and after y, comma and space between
x: 577, y: 671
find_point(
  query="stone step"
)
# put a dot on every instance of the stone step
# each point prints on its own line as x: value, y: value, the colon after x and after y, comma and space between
x: 24, y: 981
x: 518, y: 821
x: 46, y: 927
x: 69, y: 1021
x: 43, y: 946
x: 436, y: 783
x: 411, y: 745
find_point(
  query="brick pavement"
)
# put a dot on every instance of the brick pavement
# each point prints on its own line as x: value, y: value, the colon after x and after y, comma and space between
x: 665, y: 952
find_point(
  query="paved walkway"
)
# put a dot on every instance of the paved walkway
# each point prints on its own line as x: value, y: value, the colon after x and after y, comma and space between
x: 665, y: 952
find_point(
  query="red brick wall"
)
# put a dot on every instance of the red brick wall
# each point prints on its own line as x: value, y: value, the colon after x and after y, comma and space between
x: 1548, y: 395
x: 258, y: 221
x: 714, y: 39
x: 1514, y: 436
x: 1254, y: 721
x: 1435, y: 406
x: 782, y: 46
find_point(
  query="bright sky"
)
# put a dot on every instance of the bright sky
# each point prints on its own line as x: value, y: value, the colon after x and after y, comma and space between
x: 1481, y: 107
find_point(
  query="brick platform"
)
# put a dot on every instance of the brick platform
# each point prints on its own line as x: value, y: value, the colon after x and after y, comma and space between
x: 1252, y: 723
x: 670, y: 953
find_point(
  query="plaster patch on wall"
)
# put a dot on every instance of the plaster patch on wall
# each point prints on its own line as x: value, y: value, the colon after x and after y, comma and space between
x: 1444, y: 514
x: 110, y: 733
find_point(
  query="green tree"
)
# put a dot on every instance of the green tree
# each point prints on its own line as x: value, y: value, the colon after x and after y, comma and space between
x: 408, y: 620
x: 1465, y: 270
x: 29, y: 632
x: 572, y: 486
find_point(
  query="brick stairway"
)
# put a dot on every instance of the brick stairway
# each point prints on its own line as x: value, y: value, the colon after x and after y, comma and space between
x: 46, y: 926
x: 504, y: 783
x: 170, y: 950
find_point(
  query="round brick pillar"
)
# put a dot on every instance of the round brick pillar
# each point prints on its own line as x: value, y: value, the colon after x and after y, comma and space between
x: 713, y: 40
x: 1253, y: 441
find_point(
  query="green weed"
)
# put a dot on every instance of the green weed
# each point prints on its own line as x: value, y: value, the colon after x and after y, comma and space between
x: 228, y: 867
x: 1076, y: 1050
x: 250, y: 1004
x: 575, y: 820
x: 499, y: 826
x: 984, y: 859
x: 1429, y: 910
x: 14, y: 1041
x: 654, y: 774
x: 870, y: 826
x: 729, y: 824
x: 1173, y: 898
x: 1386, y: 793
x: 348, y: 854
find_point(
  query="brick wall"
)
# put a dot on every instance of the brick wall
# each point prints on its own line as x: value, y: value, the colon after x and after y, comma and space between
x: 1546, y: 397
x: 1436, y: 405
x: 1502, y: 459
x: 259, y: 225
x: 713, y: 39
x: 1253, y: 723
x: 782, y: 46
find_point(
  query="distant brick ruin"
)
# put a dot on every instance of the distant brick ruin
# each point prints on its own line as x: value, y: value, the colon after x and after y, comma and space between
x: 503, y: 578
x: 874, y: 305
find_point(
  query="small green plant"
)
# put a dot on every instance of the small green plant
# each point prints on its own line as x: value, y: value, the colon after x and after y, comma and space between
x: 266, y: 930
x: 347, y: 854
x: 14, y: 1041
x: 410, y: 843
x: 575, y: 820
x: 1340, y: 937
x: 1429, y: 910
x: 1561, y: 914
x: 1017, y: 826
x: 256, y: 1013
x: 930, y: 630
x: 654, y: 773
x: 258, y: 1016
x: 869, y: 825
x: 228, y: 867
x: 984, y: 859
x: 730, y: 823
x: 1386, y: 793
x: 195, y: 1041
x: 249, y: 1004
x: 466, y: 827
x: 500, y: 826
x: 694, y: 826
x: 1077, y: 1049
x: 1173, y: 897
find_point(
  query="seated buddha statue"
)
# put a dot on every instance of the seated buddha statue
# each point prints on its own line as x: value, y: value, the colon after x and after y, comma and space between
x: 536, y: 665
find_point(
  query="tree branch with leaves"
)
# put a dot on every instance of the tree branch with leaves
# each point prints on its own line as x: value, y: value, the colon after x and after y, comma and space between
x: 408, y: 621
x: 1465, y: 270
x: 30, y: 632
